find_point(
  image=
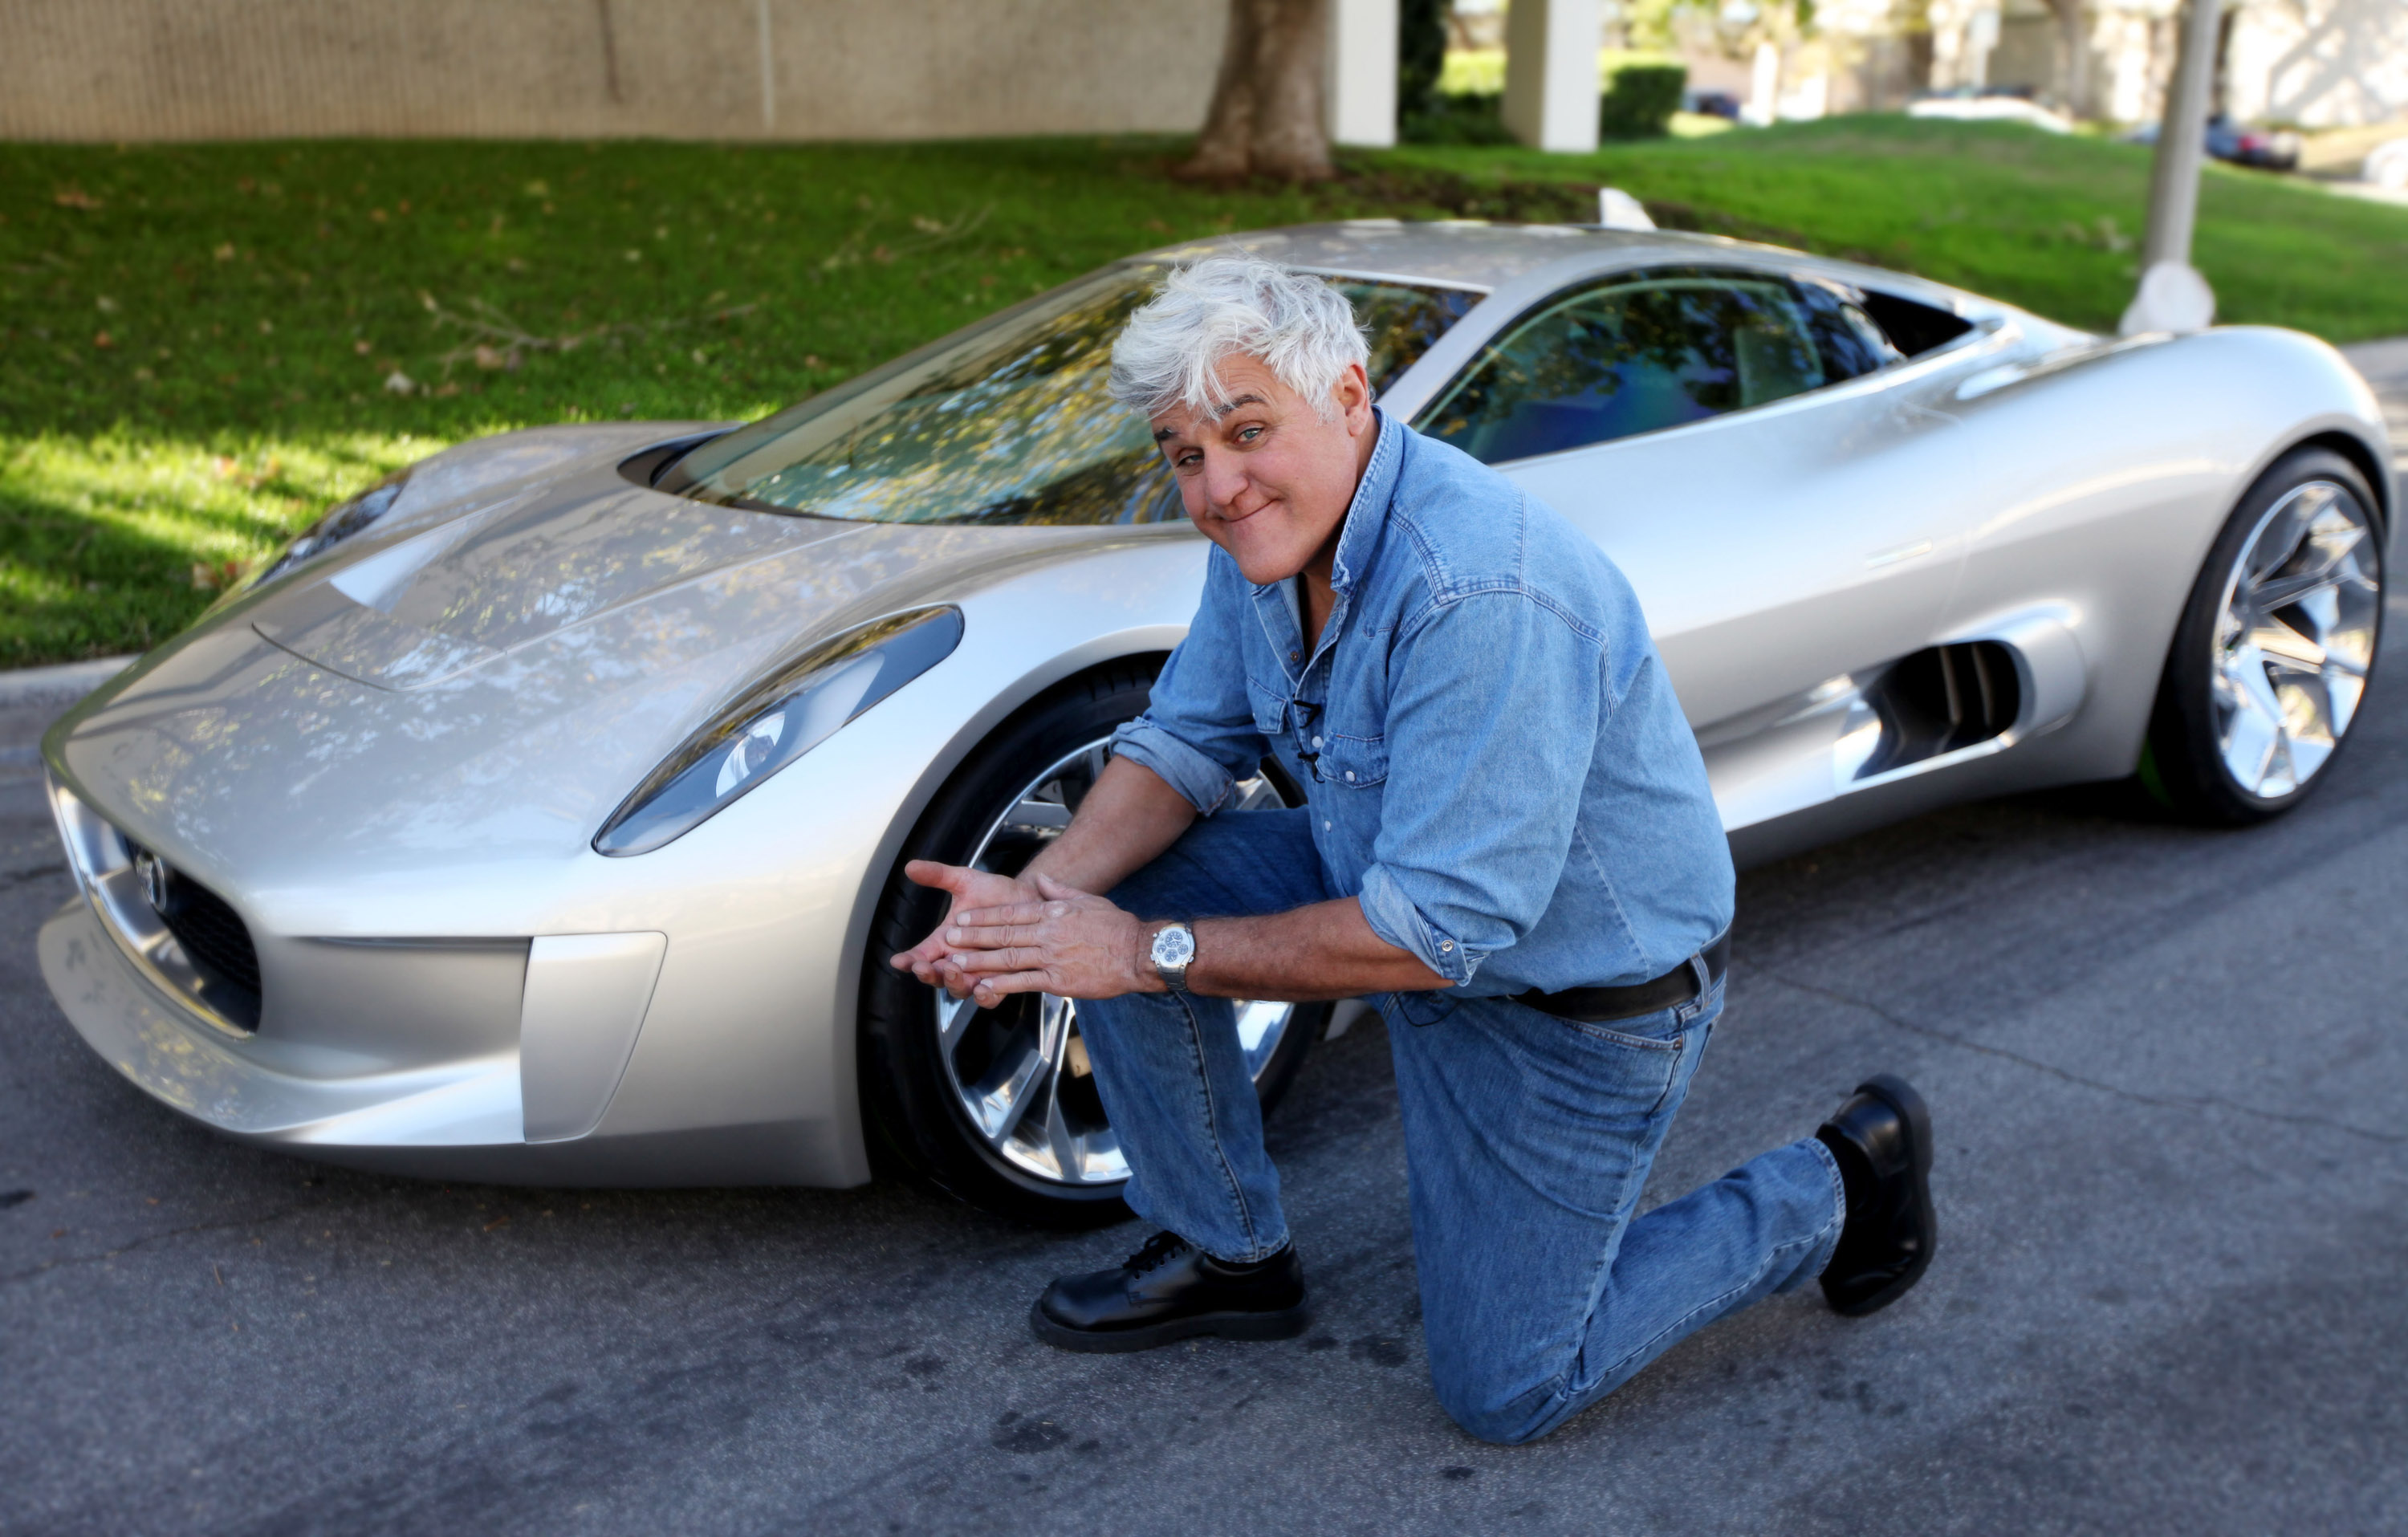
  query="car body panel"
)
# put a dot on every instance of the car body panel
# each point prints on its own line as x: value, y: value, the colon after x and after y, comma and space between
x: 391, y: 760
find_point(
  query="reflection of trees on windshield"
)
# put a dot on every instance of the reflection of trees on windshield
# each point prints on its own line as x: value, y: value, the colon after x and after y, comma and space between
x: 1401, y: 322
x: 1013, y: 425
x: 1026, y: 437
x: 1629, y: 359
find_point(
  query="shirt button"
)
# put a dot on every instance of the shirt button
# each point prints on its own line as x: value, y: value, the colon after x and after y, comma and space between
x: 1316, y: 743
x: 1324, y: 826
x: 1350, y: 776
x: 1445, y: 946
x: 1292, y: 655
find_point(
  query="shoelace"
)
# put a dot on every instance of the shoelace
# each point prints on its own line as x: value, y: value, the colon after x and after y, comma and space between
x: 1157, y: 1249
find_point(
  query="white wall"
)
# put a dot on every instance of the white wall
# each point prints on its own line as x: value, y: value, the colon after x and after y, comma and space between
x: 1551, y: 84
x: 2327, y: 64
x: 155, y: 69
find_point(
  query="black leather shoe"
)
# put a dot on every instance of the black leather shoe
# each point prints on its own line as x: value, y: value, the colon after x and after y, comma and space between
x: 1173, y: 1290
x: 1881, y: 1140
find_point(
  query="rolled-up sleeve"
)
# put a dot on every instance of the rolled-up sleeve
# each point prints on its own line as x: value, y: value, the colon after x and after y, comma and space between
x: 1197, y: 733
x: 1493, y: 700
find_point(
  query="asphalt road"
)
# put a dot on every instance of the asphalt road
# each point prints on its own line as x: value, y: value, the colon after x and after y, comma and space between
x: 2171, y: 1082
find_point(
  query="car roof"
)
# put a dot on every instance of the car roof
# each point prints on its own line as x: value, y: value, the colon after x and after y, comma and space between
x: 1455, y: 252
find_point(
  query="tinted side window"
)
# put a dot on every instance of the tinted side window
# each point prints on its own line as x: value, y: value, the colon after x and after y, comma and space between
x: 1400, y: 322
x: 1639, y: 354
x: 1916, y: 328
x: 1850, y: 342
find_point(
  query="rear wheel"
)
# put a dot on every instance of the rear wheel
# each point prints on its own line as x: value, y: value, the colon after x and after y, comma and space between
x: 998, y: 1106
x: 2275, y: 646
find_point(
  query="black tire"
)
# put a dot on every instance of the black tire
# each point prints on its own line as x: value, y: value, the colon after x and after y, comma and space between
x: 917, y: 1120
x: 2184, y: 765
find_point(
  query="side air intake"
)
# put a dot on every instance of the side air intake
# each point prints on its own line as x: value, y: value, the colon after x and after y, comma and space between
x: 1940, y: 700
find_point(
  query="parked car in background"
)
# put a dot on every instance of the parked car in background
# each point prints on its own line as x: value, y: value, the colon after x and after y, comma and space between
x: 2268, y: 149
x: 2238, y: 144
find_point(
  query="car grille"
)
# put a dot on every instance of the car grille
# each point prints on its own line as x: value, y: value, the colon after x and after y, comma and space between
x: 213, y: 934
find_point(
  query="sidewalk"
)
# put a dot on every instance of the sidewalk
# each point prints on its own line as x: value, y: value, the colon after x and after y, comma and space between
x: 2385, y: 364
x: 63, y: 683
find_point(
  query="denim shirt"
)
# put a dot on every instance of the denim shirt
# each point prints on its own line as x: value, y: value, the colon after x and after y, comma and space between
x: 1494, y: 758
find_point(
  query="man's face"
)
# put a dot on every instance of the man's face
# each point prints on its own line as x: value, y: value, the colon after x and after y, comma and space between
x: 1269, y: 480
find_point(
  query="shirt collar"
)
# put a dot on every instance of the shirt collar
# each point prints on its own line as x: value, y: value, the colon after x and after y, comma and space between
x: 1360, y: 532
x: 1368, y: 511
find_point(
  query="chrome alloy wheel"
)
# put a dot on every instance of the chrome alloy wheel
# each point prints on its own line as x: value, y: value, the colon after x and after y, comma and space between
x: 2295, y: 636
x: 1020, y: 1070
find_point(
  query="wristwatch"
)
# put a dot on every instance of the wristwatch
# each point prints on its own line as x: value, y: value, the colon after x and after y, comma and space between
x: 1174, y: 946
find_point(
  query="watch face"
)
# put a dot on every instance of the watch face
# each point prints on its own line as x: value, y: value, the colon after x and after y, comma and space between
x: 1174, y: 946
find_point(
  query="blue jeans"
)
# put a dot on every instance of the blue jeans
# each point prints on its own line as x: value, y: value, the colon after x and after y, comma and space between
x: 1528, y: 1139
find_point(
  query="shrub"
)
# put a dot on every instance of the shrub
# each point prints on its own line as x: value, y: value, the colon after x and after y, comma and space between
x: 1456, y: 119
x: 1641, y: 100
x: 1421, y: 55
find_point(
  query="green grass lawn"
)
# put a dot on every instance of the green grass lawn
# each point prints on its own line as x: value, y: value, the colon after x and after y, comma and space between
x: 197, y: 342
x: 2051, y: 222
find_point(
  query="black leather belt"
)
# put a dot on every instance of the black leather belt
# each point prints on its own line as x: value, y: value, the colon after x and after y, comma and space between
x: 1596, y: 1005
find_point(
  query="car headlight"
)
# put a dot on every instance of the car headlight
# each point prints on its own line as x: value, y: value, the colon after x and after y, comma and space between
x: 346, y: 519
x: 786, y: 715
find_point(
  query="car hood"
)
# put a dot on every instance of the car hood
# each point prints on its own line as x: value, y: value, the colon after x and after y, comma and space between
x: 486, y: 674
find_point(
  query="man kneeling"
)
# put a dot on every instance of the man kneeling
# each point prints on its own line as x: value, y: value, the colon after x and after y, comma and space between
x: 1508, y: 841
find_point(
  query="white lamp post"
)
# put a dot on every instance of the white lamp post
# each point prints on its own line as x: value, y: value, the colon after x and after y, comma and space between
x: 2174, y: 297
x: 1363, y: 72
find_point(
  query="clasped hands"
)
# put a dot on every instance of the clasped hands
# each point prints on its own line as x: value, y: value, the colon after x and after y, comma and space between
x: 1004, y: 935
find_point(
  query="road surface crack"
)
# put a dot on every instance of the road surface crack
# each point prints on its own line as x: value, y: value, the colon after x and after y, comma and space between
x: 147, y: 1239
x: 2162, y: 1101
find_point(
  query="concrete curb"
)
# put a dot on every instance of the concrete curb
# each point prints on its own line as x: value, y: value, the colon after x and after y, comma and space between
x: 62, y: 684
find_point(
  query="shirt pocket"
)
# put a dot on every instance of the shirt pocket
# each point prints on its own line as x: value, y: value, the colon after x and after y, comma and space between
x: 1356, y: 762
x: 1270, y: 709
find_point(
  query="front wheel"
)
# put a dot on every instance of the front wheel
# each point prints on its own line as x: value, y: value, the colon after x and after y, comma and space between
x: 998, y: 1106
x: 2276, y: 647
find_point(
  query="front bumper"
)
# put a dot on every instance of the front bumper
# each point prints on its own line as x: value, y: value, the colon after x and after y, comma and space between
x: 186, y: 1060
x: 488, y: 1060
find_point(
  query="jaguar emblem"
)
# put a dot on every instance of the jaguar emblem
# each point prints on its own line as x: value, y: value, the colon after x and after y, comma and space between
x: 153, y: 872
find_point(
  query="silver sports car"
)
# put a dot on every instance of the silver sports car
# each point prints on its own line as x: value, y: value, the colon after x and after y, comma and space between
x: 537, y: 815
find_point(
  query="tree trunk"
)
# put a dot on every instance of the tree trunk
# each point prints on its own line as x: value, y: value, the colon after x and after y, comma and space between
x: 2074, y: 47
x: 1267, y: 116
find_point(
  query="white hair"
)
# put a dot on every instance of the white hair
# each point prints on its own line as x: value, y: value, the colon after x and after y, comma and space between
x: 1294, y: 324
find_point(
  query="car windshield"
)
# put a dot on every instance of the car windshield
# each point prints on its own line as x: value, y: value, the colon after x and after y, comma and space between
x: 1005, y: 423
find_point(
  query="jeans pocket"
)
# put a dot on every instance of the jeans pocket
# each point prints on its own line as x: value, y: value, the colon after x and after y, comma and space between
x: 1672, y: 1044
x: 1624, y: 1070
